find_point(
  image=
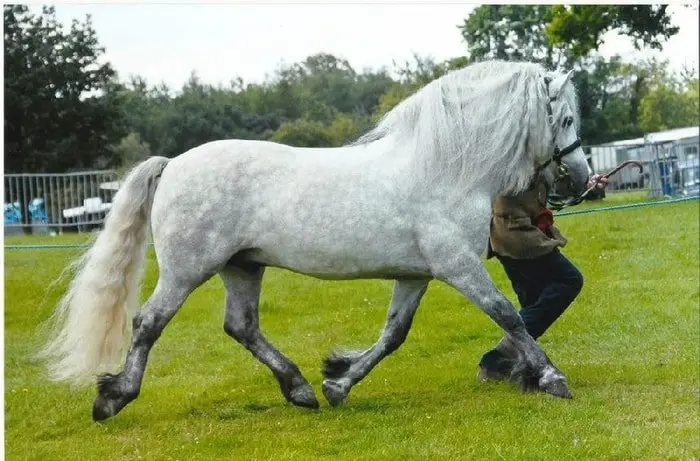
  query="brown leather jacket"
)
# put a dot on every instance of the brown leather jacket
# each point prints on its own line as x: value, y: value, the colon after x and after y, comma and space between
x: 514, y: 232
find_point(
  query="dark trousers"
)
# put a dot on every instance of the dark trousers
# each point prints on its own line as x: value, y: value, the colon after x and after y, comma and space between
x: 545, y: 286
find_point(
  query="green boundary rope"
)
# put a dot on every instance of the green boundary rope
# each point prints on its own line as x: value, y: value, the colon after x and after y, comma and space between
x: 49, y: 246
x: 631, y: 205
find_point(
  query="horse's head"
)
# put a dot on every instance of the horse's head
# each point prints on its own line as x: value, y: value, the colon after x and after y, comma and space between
x: 564, y: 166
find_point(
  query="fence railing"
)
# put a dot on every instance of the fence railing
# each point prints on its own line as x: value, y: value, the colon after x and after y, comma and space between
x: 53, y: 202
x: 670, y: 168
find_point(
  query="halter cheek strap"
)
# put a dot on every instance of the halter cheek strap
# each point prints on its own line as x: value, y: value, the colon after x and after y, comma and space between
x: 558, y: 153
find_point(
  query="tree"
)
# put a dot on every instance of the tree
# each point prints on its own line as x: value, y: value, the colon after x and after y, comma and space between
x: 583, y: 26
x: 671, y: 102
x: 628, y: 100
x: 597, y: 87
x: 344, y: 129
x: 61, y: 104
x: 511, y: 32
x: 303, y: 133
x: 394, y: 95
x: 413, y: 76
x: 559, y: 35
x: 320, y: 101
x: 609, y: 92
x: 131, y: 149
x: 368, y: 89
x: 170, y: 124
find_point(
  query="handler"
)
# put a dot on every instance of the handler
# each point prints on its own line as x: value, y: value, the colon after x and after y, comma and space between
x: 526, y: 242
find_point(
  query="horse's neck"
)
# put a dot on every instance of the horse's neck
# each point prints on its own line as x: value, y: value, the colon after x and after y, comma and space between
x: 390, y: 159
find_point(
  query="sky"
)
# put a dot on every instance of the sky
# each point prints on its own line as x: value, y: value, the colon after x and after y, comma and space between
x: 165, y: 42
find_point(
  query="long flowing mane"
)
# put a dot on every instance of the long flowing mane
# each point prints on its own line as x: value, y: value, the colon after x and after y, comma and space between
x: 488, y: 119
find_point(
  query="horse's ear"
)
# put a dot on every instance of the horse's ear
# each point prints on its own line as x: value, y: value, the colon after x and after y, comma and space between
x: 568, y: 75
x: 559, y: 82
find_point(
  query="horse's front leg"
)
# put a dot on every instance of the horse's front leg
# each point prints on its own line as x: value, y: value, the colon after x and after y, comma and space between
x: 534, y: 367
x: 458, y: 264
x: 344, y: 370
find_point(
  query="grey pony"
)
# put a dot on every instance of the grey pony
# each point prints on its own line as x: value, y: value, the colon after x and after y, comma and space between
x: 410, y: 201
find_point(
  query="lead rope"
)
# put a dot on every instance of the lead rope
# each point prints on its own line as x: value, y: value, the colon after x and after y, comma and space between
x: 558, y: 205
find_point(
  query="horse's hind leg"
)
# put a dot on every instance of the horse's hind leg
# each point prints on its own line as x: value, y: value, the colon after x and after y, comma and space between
x: 342, y: 371
x: 242, y: 323
x: 116, y: 391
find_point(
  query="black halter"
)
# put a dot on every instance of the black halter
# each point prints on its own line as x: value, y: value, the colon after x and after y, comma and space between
x: 558, y: 153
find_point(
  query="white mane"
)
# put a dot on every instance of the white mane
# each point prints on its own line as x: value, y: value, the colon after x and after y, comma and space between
x: 487, y: 120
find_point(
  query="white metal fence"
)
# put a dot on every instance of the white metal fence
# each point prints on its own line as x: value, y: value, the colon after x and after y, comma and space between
x: 54, y: 202
x: 670, y: 168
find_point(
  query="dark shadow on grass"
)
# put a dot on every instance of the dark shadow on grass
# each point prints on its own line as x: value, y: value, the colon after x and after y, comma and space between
x: 256, y: 407
x: 233, y: 413
x: 228, y: 409
x: 369, y: 405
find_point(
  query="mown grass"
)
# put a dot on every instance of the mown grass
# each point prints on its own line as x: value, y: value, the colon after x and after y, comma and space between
x: 629, y: 344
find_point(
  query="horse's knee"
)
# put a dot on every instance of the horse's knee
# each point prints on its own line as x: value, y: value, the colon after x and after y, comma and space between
x: 232, y: 329
x: 145, y: 328
x: 238, y: 330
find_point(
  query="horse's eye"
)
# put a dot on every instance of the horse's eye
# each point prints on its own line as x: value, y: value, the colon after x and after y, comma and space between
x: 570, y: 121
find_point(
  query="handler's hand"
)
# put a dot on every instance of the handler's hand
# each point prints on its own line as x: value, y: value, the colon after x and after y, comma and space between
x: 599, y: 179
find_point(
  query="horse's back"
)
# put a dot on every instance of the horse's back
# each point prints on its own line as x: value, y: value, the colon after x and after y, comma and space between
x: 326, y: 212
x: 232, y: 150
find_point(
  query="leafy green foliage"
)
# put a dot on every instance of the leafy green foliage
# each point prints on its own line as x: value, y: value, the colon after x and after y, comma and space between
x: 413, y: 76
x: 303, y: 133
x: 671, y: 101
x: 172, y: 124
x: 629, y: 100
x: 582, y: 27
x: 319, y: 102
x: 61, y: 104
x: 344, y: 129
x: 558, y: 35
x: 310, y: 133
x: 131, y: 149
x: 511, y: 32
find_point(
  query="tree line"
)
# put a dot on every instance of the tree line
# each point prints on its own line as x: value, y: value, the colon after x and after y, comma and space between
x: 67, y: 110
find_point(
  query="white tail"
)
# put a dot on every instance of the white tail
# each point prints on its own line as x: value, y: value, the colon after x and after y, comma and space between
x: 93, y: 319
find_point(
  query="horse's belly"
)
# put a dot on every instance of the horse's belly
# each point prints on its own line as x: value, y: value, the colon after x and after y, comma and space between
x: 348, y: 263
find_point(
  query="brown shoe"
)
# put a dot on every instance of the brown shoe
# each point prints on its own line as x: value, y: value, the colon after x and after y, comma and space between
x: 485, y: 375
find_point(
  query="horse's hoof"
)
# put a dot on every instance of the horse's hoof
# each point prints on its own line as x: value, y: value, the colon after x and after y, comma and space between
x: 334, y: 392
x: 103, y: 408
x: 111, y: 397
x: 303, y: 396
x: 558, y: 388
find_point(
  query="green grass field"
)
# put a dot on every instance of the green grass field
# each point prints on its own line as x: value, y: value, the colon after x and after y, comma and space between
x: 629, y: 345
